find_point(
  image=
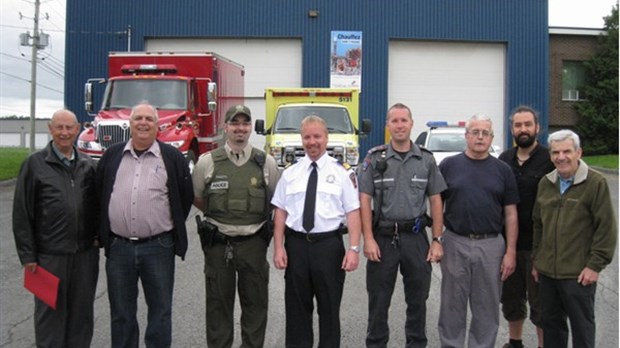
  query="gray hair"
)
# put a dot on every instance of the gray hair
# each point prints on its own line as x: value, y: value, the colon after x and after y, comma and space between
x: 478, y: 117
x: 154, y: 109
x: 564, y: 134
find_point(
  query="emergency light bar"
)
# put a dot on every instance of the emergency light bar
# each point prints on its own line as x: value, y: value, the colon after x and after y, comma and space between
x: 148, y: 68
x: 313, y: 94
x: 437, y: 124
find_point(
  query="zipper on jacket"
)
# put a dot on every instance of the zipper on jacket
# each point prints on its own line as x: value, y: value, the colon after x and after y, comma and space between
x: 71, y: 173
x: 555, y: 242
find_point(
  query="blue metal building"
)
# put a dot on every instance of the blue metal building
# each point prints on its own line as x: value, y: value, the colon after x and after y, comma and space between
x: 96, y: 27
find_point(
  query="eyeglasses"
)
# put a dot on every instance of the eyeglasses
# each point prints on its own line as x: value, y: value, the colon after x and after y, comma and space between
x: 240, y: 123
x: 479, y: 132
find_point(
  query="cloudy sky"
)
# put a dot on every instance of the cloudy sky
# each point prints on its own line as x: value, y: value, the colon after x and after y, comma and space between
x: 15, y: 59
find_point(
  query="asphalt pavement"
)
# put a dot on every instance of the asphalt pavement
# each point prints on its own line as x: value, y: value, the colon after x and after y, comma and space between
x: 17, y: 304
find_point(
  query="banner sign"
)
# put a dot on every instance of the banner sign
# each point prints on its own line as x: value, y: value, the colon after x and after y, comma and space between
x: 346, y: 59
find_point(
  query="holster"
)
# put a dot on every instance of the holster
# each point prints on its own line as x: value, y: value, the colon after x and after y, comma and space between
x: 206, y: 232
x: 266, y: 232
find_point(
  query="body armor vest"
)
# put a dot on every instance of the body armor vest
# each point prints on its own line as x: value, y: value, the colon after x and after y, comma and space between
x: 236, y: 195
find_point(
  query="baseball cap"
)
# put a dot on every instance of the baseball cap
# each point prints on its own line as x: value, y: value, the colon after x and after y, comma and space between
x: 238, y: 110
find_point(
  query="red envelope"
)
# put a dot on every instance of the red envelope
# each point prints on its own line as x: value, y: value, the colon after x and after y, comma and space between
x: 43, y: 284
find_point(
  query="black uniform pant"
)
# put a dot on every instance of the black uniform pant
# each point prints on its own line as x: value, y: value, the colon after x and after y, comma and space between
x: 71, y: 323
x: 246, y: 268
x: 314, y: 270
x: 410, y: 255
x: 560, y: 298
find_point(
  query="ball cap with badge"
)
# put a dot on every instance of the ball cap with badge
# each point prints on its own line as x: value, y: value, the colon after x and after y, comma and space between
x: 238, y: 110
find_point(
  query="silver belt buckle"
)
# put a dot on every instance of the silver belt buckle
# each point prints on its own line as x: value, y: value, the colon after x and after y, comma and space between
x: 134, y: 239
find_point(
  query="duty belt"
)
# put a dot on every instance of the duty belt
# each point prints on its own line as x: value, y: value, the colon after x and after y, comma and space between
x: 221, y: 238
x: 387, y: 227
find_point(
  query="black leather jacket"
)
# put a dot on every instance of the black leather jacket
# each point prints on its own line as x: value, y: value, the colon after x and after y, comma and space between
x: 55, y: 207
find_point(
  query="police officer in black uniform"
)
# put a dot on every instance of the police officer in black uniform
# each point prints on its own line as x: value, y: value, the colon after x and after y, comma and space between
x: 399, y: 177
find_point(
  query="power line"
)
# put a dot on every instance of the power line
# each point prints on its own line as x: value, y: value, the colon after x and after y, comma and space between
x: 58, y: 13
x: 52, y: 70
x: 83, y: 32
x: 16, y: 57
x: 56, y: 60
x: 52, y: 63
x: 38, y: 84
x: 54, y: 24
x: 28, y: 28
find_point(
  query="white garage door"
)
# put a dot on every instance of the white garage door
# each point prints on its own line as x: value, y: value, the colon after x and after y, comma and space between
x: 267, y: 62
x: 448, y: 81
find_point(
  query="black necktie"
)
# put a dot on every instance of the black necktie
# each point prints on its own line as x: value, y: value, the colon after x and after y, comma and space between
x: 310, y: 203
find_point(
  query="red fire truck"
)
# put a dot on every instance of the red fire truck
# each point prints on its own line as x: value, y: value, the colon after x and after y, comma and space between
x: 191, y: 91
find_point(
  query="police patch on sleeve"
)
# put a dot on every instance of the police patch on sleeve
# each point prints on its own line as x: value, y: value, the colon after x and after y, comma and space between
x: 366, y: 164
x: 353, y: 179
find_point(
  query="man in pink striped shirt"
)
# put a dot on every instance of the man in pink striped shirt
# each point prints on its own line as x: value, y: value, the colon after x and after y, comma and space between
x: 146, y: 193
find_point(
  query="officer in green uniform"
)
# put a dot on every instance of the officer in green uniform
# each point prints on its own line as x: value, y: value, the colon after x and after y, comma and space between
x: 399, y: 177
x: 233, y: 186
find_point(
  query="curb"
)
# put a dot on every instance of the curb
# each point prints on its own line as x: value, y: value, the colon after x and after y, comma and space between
x: 605, y: 170
x: 9, y: 182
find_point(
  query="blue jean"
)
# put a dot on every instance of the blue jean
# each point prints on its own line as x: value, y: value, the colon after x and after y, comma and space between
x: 153, y: 263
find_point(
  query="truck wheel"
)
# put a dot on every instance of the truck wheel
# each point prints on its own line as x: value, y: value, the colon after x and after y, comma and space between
x: 191, y: 160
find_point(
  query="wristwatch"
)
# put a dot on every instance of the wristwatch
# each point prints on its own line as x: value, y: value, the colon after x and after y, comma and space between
x: 355, y: 249
x: 438, y: 239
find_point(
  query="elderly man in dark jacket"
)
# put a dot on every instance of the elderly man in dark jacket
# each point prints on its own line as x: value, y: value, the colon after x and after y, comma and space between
x: 575, y: 238
x: 54, y: 219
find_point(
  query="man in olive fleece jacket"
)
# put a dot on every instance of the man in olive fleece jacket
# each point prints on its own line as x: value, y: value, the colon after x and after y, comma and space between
x: 575, y: 236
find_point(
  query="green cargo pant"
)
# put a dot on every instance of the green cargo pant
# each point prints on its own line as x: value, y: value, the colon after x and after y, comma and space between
x: 246, y: 263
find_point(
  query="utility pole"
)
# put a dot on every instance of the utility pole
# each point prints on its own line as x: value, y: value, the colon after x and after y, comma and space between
x: 39, y: 41
x: 33, y: 73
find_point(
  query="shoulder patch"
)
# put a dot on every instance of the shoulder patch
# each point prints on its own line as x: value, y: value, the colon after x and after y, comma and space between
x: 377, y: 148
x: 366, y: 163
x: 371, y: 154
x: 353, y: 179
x: 425, y: 149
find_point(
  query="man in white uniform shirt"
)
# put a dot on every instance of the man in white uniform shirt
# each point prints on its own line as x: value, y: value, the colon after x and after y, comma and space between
x: 314, y: 255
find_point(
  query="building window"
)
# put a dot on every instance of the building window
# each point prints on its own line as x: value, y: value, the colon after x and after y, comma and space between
x: 573, y: 80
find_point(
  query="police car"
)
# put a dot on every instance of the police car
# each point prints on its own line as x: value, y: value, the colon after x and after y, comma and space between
x: 445, y: 139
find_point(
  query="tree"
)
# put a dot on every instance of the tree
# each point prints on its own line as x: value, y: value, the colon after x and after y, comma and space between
x: 598, y: 121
